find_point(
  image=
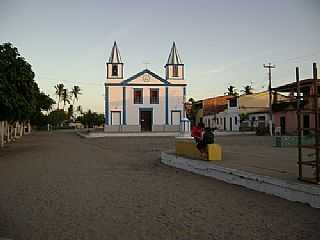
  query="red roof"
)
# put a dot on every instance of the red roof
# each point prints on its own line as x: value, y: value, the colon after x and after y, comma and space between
x: 215, y: 105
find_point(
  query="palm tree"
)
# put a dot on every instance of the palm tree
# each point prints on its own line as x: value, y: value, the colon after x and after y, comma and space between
x: 75, y: 92
x: 79, y: 109
x: 59, y: 91
x: 231, y: 91
x: 65, y: 97
x: 247, y: 90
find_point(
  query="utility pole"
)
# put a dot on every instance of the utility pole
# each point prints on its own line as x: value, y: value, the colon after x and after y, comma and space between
x: 270, y: 66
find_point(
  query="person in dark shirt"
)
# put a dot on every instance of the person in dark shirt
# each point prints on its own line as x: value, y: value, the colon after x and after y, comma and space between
x: 207, y: 137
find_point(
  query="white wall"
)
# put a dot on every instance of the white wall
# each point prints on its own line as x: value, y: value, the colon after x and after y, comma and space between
x: 115, y: 100
x: 133, y: 109
x: 175, y: 100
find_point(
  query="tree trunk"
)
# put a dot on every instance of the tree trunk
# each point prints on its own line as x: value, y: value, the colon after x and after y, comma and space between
x: 2, y: 133
x: 58, y: 102
x: 29, y: 127
x: 21, y: 129
x: 5, y: 132
x: 15, y: 129
x: 8, y: 132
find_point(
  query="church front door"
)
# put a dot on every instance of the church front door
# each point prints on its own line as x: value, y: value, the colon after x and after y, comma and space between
x: 146, y: 120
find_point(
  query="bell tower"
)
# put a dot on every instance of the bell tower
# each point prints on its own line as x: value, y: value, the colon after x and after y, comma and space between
x: 114, y: 69
x: 174, y: 67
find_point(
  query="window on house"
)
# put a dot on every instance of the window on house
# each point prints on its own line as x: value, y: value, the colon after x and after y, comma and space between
x: 154, y: 96
x: 137, y: 96
x: 261, y: 118
x: 114, y: 70
x: 235, y: 120
x: 175, y: 71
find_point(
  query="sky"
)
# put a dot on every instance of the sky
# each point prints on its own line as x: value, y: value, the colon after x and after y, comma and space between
x: 221, y: 42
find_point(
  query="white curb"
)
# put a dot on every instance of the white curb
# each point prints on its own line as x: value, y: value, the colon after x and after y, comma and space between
x: 292, y: 191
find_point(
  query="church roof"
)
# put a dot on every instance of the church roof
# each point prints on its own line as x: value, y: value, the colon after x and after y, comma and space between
x: 115, y: 54
x: 174, y: 57
x: 143, y: 72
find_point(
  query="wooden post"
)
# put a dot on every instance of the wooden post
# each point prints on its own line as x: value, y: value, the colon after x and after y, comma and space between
x: 316, y: 115
x: 299, y: 123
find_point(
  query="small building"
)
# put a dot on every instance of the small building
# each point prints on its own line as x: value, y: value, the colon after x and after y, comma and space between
x: 144, y: 101
x: 238, y: 113
x: 213, y: 112
x: 285, y: 110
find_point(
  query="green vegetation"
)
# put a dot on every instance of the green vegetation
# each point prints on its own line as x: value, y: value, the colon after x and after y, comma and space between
x: 20, y: 98
x: 91, y: 119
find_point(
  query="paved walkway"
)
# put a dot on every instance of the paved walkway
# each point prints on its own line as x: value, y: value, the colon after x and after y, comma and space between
x: 65, y: 187
x: 255, y: 154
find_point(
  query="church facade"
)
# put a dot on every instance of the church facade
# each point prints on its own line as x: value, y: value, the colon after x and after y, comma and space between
x: 144, y: 101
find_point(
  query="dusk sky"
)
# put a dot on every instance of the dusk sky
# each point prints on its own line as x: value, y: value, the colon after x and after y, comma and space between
x: 221, y: 43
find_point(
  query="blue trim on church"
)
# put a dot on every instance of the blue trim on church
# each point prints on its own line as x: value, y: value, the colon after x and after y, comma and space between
x: 167, y: 105
x: 124, y: 121
x: 106, y: 110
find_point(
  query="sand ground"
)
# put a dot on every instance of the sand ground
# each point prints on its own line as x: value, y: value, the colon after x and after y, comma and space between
x: 60, y: 186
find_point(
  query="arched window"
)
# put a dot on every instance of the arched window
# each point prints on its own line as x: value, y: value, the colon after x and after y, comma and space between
x: 175, y: 72
x: 114, y: 70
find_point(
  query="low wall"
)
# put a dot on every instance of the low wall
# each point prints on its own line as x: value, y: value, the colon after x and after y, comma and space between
x: 137, y: 128
x: 291, y: 141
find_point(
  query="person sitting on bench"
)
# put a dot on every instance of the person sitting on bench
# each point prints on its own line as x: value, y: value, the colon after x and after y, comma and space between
x: 196, y: 132
x: 207, y: 137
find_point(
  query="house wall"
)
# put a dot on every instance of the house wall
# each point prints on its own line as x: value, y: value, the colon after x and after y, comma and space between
x: 291, y: 120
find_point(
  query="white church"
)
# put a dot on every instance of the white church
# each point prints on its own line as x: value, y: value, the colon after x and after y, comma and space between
x: 144, y: 101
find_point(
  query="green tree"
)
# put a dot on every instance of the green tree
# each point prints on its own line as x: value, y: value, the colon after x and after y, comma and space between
x: 247, y: 90
x: 59, y: 91
x: 91, y: 119
x: 65, y: 97
x: 57, y: 117
x: 75, y: 92
x: 70, y: 112
x: 18, y: 90
x: 231, y: 91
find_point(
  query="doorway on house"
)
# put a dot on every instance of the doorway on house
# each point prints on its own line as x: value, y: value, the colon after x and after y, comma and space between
x: 146, y: 120
x: 283, y: 125
x: 230, y: 123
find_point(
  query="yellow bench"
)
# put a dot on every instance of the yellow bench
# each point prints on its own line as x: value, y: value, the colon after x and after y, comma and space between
x: 187, y: 148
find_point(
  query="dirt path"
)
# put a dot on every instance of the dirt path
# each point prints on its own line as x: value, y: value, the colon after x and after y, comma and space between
x: 64, y: 187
